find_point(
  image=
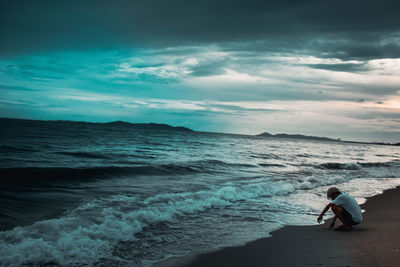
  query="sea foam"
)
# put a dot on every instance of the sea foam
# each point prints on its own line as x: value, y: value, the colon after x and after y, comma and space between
x: 91, y: 230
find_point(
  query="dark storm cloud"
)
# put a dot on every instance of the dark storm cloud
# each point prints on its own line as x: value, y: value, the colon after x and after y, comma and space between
x: 368, y: 46
x: 27, y: 26
x: 374, y: 51
x: 345, y: 67
x: 373, y: 90
x: 374, y: 114
x: 208, y: 69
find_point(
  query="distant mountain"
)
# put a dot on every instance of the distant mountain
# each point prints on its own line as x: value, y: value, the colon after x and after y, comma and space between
x: 115, y: 124
x: 306, y: 137
x: 148, y: 126
x: 297, y: 136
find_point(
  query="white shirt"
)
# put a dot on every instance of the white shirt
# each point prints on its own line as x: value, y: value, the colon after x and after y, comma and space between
x: 350, y: 204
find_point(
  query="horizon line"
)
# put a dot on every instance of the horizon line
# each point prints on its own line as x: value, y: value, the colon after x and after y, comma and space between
x: 252, y: 135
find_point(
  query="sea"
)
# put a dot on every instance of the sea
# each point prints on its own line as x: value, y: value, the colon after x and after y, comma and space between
x: 84, y: 194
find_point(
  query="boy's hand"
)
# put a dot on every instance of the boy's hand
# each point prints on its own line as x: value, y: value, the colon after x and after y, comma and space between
x: 319, y: 219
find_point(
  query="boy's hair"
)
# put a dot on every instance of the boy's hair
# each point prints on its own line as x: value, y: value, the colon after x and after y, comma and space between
x: 332, y: 191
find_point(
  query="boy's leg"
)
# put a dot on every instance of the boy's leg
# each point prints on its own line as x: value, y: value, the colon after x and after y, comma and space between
x: 341, y: 213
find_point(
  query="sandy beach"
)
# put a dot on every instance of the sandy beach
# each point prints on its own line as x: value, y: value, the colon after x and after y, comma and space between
x: 375, y: 242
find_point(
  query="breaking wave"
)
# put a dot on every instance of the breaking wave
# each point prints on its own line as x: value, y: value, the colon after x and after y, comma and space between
x: 37, y: 174
x: 354, y: 166
x: 88, y: 233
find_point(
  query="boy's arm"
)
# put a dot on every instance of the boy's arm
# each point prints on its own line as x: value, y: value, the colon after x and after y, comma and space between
x: 323, y: 212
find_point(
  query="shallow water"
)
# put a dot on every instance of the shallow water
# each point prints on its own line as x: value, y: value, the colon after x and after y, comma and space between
x: 76, y: 193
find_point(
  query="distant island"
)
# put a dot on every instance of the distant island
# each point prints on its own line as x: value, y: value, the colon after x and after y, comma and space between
x: 298, y: 136
x: 114, y: 124
x: 317, y: 138
x: 148, y: 126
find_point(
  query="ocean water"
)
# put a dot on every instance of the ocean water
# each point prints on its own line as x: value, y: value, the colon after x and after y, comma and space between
x: 110, y: 195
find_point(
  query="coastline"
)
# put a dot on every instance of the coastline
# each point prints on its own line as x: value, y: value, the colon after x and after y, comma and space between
x: 374, y: 242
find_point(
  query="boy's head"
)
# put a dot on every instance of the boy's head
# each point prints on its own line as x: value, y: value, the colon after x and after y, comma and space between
x: 332, y: 192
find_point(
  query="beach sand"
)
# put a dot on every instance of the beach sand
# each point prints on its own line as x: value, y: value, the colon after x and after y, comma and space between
x: 374, y: 242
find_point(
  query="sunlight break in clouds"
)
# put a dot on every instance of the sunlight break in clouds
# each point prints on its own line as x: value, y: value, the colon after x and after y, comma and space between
x: 208, y: 88
x: 253, y: 117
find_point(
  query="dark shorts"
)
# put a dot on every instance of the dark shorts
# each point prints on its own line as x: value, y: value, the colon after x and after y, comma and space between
x: 347, y: 216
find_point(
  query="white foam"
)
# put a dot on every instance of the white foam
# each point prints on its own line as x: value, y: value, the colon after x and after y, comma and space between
x: 91, y: 231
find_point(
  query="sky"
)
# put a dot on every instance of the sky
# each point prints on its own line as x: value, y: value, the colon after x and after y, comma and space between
x: 314, y: 67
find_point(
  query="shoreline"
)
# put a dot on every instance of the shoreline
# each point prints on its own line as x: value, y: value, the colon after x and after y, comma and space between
x: 374, y: 242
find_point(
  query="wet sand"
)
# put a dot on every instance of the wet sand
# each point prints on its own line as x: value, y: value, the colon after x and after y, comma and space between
x: 374, y: 242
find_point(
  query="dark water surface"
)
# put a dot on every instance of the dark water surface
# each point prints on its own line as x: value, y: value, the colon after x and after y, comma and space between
x: 114, y: 194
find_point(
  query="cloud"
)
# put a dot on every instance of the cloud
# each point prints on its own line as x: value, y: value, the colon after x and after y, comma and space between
x: 204, y: 73
x: 365, y: 47
x: 332, y: 28
x: 209, y: 69
x: 4, y: 87
x: 238, y: 66
x: 343, y: 67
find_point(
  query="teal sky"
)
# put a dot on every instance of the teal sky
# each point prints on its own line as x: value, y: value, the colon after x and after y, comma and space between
x: 225, y: 66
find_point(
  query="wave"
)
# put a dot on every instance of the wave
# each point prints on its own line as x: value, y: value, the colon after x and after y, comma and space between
x: 37, y: 174
x: 9, y: 148
x: 271, y: 165
x: 265, y: 156
x: 378, y: 164
x: 92, y: 232
x: 95, y: 229
x: 84, y: 155
x: 354, y: 165
x: 340, y: 166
